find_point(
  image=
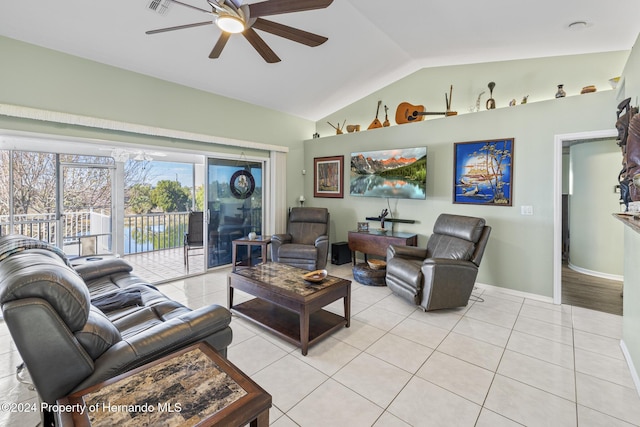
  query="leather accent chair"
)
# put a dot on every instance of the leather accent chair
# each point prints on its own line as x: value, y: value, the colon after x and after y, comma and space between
x: 443, y: 274
x: 67, y: 343
x: 306, y: 242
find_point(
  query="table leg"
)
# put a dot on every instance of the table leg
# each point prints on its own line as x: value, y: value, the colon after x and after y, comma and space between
x: 229, y: 293
x: 304, y: 330
x: 234, y: 248
x: 249, y: 251
x: 262, y: 420
x: 347, y: 306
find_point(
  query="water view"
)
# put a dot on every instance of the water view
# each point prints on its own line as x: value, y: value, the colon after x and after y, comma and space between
x: 378, y: 186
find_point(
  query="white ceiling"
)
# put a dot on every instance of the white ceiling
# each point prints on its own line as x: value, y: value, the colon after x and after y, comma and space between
x: 372, y: 43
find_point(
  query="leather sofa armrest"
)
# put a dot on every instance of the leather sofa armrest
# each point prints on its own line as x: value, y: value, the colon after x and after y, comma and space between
x: 322, y: 240
x: 411, y: 252
x: 281, y: 238
x: 158, y: 341
x: 278, y: 240
x: 447, y: 283
x: 104, y: 267
x: 446, y: 263
x: 322, y: 251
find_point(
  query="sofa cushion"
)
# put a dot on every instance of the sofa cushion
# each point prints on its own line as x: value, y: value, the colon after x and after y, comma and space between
x: 460, y: 226
x: 297, y: 251
x: 440, y: 246
x: 98, y: 334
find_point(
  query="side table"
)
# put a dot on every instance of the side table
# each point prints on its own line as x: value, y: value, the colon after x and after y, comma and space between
x: 194, y: 386
x: 376, y: 242
x: 261, y: 241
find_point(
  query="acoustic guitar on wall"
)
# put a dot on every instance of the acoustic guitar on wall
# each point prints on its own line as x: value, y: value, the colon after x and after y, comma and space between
x: 376, y: 122
x: 409, y: 113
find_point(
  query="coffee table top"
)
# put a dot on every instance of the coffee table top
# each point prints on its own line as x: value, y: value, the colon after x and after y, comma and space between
x: 287, y: 278
x: 194, y: 385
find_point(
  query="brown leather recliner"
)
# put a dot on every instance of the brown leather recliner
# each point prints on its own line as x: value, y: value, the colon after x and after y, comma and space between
x: 306, y: 242
x: 67, y: 343
x: 443, y: 274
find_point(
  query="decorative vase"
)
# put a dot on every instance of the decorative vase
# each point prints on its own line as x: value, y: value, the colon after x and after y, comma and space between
x: 491, y: 103
x: 561, y: 93
x: 252, y: 235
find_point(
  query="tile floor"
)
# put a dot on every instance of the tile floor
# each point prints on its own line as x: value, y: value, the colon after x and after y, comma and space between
x: 503, y: 360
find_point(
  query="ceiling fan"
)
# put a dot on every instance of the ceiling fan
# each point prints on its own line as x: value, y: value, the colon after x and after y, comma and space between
x: 233, y: 17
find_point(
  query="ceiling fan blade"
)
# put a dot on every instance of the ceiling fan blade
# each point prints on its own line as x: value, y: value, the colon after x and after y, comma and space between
x: 259, y: 44
x: 275, y: 7
x: 189, y: 6
x: 179, y: 27
x: 288, y: 32
x: 222, y: 42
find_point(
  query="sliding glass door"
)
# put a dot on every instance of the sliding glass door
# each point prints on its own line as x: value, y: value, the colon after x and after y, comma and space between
x: 235, y: 208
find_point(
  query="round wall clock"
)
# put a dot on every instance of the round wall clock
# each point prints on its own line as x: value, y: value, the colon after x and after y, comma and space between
x: 242, y: 184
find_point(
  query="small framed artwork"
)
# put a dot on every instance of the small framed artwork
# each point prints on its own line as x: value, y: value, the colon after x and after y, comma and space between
x: 328, y: 177
x: 483, y: 172
x: 363, y: 226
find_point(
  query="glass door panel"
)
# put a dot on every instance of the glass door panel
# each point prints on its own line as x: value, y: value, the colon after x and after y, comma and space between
x: 28, y: 194
x: 86, y: 219
x: 234, y: 191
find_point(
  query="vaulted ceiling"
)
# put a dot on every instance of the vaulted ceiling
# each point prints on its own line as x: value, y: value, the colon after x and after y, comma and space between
x: 372, y: 43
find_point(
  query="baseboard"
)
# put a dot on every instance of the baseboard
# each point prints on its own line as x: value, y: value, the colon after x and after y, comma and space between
x: 634, y: 373
x: 596, y: 273
x: 516, y: 293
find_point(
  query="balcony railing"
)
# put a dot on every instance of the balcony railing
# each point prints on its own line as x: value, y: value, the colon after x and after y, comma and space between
x: 142, y: 233
x: 152, y: 232
x: 44, y: 226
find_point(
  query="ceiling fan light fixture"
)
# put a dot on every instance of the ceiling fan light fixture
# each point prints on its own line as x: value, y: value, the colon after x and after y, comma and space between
x: 230, y: 24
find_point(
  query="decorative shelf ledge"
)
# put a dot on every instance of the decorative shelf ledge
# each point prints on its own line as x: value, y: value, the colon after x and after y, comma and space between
x: 630, y: 220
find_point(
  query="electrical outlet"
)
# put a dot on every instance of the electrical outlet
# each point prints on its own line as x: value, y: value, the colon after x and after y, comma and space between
x: 526, y: 210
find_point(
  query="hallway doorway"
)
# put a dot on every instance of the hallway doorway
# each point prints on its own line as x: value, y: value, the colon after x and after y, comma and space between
x: 587, y: 279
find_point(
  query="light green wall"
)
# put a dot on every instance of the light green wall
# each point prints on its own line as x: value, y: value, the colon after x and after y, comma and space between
x: 520, y: 251
x: 596, y: 236
x: 32, y: 76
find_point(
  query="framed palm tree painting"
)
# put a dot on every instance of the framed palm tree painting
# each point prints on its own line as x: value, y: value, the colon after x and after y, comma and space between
x: 483, y: 172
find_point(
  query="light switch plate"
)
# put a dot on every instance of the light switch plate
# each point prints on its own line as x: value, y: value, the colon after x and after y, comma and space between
x: 526, y: 210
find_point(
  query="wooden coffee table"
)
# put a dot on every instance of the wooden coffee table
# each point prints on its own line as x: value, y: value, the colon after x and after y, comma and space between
x: 289, y: 306
x: 193, y: 386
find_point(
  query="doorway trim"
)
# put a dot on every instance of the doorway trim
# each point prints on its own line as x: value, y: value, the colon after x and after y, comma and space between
x: 558, y: 142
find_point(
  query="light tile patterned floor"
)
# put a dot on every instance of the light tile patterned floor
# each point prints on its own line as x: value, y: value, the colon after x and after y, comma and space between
x: 502, y: 361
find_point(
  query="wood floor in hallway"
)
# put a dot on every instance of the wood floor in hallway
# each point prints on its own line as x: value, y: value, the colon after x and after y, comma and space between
x: 591, y: 292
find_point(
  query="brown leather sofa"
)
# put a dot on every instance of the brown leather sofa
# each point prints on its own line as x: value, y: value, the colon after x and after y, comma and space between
x: 67, y: 343
x: 443, y: 274
x: 306, y: 242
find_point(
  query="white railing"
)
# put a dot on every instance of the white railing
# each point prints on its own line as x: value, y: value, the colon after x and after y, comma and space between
x: 142, y: 233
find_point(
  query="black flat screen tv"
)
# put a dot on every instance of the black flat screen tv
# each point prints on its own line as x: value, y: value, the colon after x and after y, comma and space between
x: 396, y: 173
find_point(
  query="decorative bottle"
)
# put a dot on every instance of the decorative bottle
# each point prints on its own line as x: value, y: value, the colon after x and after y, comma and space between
x: 561, y: 93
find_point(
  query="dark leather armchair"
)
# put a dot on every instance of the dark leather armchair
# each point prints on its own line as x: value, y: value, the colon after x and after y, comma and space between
x: 67, y: 343
x: 306, y: 242
x: 443, y: 274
